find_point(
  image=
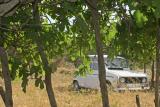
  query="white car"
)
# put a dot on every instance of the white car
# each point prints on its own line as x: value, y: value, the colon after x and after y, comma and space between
x: 118, y: 76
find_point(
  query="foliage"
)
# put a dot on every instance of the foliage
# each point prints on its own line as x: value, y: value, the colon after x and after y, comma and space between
x: 127, y: 28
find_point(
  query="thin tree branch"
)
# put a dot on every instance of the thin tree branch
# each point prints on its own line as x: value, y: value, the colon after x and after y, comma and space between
x: 3, y: 28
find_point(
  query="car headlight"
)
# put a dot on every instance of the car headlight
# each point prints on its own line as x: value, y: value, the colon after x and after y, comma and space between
x: 144, y: 80
x: 122, y: 80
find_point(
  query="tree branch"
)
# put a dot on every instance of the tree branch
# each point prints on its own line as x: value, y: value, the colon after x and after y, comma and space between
x: 89, y: 3
x: 7, y: 8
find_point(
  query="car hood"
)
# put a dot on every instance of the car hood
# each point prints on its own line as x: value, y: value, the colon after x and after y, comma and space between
x: 126, y: 73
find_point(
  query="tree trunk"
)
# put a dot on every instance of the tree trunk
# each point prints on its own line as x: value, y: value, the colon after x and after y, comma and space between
x: 6, y: 93
x: 49, y: 89
x: 157, y: 66
x: 144, y: 67
x: 102, y: 72
x: 2, y: 93
x: 43, y: 56
x: 48, y: 72
x: 153, y: 73
x: 7, y: 78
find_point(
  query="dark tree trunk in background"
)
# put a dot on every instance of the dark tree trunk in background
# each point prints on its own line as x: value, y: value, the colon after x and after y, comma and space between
x: 47, y: 68
x: 102, y: 72
x: 7, y: 79
x: 144, y: 67
x: 153, y: 74
x: 157, y: 66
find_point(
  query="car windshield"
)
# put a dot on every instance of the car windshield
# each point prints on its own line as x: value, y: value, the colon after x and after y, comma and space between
x: 117, y: 63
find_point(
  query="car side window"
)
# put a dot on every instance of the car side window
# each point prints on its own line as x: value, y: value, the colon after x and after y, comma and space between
x: 91, y: 66
x: 94, y: 66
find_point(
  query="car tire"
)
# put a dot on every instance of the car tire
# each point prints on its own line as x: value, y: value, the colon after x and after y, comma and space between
x: 76, y: 86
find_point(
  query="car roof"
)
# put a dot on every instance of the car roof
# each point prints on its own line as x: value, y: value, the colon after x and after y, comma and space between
x: 105, y: 56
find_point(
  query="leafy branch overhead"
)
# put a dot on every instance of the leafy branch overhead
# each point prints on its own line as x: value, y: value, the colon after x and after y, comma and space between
x: 9, y: 7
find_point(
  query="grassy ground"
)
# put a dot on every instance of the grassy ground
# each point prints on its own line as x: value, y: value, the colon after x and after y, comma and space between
x: 65, y: 97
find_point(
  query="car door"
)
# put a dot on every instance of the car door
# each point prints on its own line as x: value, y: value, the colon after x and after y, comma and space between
x: 81, y: 81
x: 92, y: 80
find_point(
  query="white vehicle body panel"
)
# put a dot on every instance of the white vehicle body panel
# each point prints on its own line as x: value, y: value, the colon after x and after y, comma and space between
x: 125, y: 73
x: 113, y: 76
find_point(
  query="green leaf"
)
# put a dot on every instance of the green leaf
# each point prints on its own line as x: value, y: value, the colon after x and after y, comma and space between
x: 37, y: 82
x: 24, y: 84
x: 148, y: 2
x: 81, y: 24
x: 157, y: 12
x: 140, y: 18
x: 41, y: 84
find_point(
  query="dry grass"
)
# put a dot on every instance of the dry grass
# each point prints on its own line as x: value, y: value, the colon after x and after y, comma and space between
x: 65, y: 97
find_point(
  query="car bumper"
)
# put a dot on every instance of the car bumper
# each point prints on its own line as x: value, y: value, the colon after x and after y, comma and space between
x: 133, y: 87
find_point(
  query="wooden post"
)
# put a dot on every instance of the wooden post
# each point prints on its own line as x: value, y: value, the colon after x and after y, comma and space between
x: 138, y: 101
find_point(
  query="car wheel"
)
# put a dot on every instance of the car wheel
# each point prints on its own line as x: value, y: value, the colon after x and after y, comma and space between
x: 76, y: 86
